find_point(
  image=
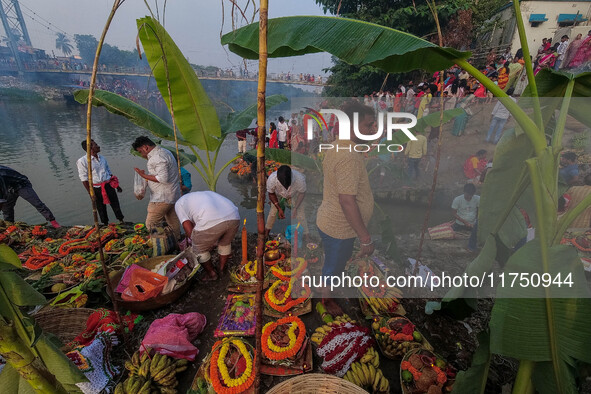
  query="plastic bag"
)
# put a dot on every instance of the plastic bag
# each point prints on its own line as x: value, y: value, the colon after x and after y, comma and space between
x: 144, y: 285
x: 173, y: 334
x: 139, y: 186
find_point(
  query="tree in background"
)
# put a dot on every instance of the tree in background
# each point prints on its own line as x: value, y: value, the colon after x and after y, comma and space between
x: 457, y: 19
x: 110, y: 55
x: 62, y: 43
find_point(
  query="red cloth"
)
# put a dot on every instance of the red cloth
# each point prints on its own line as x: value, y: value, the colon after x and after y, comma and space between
x: 113, y: 182
x: 103, y: 320
x: 273, y: 142
x: 172, y: 335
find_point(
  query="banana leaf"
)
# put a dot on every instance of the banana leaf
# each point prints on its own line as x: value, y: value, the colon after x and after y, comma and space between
x: 136, y: 114
x: 285, y: 156
x: 523, y: 326
x: 352, y: 41
x: 243, y: 119
x: 473, y: 380
x: 552, y: 84
x: 194, y: 112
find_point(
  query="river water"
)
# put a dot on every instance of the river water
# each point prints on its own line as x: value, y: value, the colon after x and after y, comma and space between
x: 42, y: 140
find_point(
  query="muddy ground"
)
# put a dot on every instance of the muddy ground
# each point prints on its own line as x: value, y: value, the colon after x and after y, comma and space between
x: 453, y: 339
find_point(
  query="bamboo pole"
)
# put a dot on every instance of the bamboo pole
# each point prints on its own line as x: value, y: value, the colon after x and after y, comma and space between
x: 99, y: 47
x: 262, y: 186
x: 433, y: 8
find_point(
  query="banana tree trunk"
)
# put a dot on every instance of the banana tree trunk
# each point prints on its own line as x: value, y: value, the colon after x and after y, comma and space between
x: 262, y: 185
x: 20, y: 357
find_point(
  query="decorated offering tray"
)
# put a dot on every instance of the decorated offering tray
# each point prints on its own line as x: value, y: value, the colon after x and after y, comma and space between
x: 238, y: 317
x: 397, y: 335
x: 228, y: 369
x: 286, y: 348
x: 422, y: 369
x: 287, y: 297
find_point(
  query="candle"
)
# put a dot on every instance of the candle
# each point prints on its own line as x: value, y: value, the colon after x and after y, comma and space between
x: 244, y: 244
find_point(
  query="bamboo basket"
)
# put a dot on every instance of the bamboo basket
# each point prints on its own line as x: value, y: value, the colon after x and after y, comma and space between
x: 403, y: 385
x: 158, y: 301
x: 316, y: 383
x: 64, y: 323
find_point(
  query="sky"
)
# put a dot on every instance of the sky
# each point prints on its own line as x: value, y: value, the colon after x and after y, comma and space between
x: 193, y: 24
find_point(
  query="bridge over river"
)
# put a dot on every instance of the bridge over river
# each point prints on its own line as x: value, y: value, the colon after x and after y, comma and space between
x: 29, y: 72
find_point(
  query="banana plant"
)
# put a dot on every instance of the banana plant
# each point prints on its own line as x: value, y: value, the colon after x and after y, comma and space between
x: 195, y: 116
x: 27, y: 350
x: 146, y: 119
x: 545, y: 328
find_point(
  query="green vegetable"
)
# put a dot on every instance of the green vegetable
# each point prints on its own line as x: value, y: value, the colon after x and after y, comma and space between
x: 417, y: 336
x: 407, y: 376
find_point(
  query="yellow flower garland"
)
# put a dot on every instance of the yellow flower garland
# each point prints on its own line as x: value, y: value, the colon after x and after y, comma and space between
x: 301, y: 265
x: 290, y: 334
x: 271, y: 292
x: 228, y: 381
x: 251, y: 271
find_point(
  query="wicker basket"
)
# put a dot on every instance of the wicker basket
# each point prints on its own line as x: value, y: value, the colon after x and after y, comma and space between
x: 316, y: 383
x: 65, y: 323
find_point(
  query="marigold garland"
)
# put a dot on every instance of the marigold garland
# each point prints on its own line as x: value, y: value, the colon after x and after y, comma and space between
x: 217, y: 367
x: 286, y: 304
x: 416, y: 374
x: 287, y: 275
x: 274, y: 352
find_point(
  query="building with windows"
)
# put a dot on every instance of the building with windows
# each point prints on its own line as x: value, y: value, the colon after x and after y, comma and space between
x: 542, y: 19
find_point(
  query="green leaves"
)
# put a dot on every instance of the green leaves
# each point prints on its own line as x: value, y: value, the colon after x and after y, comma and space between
x: 20, y: 292
x: 473, y: 380
x: 528, y: 323
x: 351, y: 40
x: 136, y: 114
x: 9, y: 256
x: 194, y: 113
x: 244, y: 118
x: 502, y: 181
x: 285, y: 156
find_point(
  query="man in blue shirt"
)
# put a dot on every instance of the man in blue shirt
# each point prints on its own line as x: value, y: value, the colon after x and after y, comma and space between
x: 569, y: 173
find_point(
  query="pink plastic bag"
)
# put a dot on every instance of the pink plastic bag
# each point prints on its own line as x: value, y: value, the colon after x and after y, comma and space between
x: 173, y: 334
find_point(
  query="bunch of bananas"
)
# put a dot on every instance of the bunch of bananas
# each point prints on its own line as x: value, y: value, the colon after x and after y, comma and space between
x: 367, y: 375
x: 385, y: 305
x: 321, y: 332
x: 151, y: 375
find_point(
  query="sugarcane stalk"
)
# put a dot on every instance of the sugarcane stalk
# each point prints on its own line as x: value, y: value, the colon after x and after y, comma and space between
x: 262, y: 187
x: 20, y: 357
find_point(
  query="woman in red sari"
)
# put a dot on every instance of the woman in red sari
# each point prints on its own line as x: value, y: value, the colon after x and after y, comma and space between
x: 273, y: 141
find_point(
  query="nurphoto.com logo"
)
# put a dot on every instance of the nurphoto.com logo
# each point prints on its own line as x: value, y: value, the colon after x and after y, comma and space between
x: 392, y: 124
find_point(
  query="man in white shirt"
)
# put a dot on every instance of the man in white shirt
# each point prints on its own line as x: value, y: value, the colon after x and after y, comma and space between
x: 290, y: 186
x: 163, y: 182
x: 103, y: 182
x: 209, y: 219
x: 282, y: 129
x: 561, y: 50
x: 465, y: 208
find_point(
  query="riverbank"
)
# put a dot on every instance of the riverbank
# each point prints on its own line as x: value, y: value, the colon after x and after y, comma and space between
x: 13, y: 88
x: 453, y: 339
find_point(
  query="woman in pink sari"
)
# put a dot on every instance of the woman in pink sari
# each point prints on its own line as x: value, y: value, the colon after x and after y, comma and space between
x: 572, y: 49
x: 583, y: 53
